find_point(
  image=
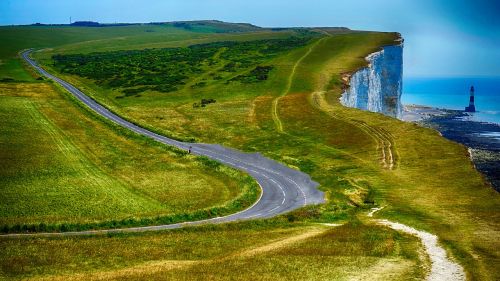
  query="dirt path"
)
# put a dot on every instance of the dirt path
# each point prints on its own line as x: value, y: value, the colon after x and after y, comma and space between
x: 275, y: 114
x: 442, y: 268
x: 388, y: 154
x: 283, y: 242
x: 148, y: 268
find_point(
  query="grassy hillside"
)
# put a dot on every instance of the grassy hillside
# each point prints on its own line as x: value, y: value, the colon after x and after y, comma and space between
x: 62, y: 166
x: 361, y: 159
x: 214, y: 26
x: 85, y: 39
x: 18, y: 38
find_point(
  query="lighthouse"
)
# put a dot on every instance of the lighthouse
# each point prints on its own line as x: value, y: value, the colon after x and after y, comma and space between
x: 471, y: 107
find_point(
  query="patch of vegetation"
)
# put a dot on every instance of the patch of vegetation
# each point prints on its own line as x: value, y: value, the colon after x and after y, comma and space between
x: 17, y: 38
x: 199, y: 85
x: 165, y: 70
x: 130, y: 92
x: 214, y: 26
x: 86, y: 23
x: 7, y: 79
x: 258, y: 74
x: 203, y: 103
x: 370, y: 197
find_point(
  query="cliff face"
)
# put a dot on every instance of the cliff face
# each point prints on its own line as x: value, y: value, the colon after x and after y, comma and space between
x: 378, y: 87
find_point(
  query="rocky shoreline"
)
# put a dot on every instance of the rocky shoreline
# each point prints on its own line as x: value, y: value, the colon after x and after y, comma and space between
x: 482, y: 139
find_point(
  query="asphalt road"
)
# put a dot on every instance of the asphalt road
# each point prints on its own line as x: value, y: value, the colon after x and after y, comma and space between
x: 283, y: 189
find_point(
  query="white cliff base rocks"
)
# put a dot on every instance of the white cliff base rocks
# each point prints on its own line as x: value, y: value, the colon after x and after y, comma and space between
x: 378, y: 87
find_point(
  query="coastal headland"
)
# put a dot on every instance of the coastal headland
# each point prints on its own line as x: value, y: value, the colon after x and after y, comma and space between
x: 260, y: 93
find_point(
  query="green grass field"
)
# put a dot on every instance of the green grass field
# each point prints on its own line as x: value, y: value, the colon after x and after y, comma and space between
x: 60, y: 164
x: 428, y: 183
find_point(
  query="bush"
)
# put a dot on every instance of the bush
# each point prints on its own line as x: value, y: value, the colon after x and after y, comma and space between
x: 370, y: 197
x: 203, y: 103
x: 259, y: 73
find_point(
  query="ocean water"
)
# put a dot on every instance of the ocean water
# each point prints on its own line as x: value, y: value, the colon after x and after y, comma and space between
x: 453, y: 93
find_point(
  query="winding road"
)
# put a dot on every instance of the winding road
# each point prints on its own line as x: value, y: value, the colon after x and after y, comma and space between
x: 283, y: 189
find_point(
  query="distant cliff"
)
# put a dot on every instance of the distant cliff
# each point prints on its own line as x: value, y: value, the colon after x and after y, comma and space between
x: 378, y: 87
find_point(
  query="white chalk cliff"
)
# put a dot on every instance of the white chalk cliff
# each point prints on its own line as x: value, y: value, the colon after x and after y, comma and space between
x: 378, y: 87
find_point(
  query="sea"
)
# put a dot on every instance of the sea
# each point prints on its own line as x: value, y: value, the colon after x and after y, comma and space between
x: 453, y: 93
x: 480, y: 131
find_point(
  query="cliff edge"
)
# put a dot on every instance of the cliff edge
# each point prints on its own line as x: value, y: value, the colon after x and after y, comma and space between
x: 378, y: 86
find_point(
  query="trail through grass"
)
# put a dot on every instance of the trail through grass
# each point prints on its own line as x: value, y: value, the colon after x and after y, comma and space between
x: 275, y: 113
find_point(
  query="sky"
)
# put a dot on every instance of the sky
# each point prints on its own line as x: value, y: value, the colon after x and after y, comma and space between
x: 442, y: 37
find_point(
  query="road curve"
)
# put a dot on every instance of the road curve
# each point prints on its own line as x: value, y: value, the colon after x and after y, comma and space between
x: 283, y: 189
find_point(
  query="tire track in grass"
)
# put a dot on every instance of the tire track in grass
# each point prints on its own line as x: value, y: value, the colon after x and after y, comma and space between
x: 388, y: 155
x: 96, y: 178
x: 71, y: 153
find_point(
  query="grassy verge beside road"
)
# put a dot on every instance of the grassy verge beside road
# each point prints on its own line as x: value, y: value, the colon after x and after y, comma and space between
x: 64, y: 169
